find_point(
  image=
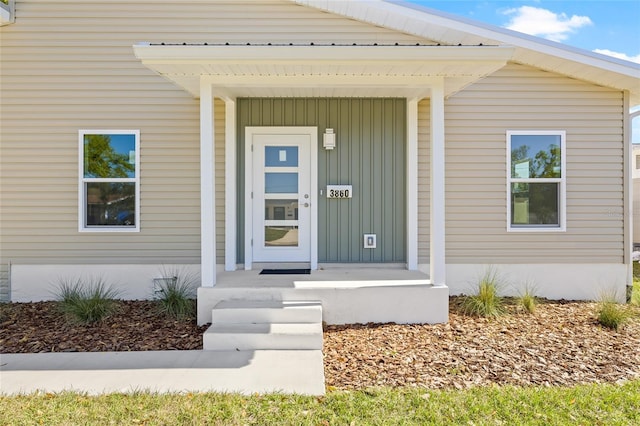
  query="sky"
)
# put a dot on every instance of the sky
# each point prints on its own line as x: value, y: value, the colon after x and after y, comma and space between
x: 610, y: 27
x: 605, y: 26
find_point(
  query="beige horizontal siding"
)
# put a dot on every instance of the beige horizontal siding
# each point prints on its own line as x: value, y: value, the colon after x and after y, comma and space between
x: 523, y: 98
x: 69, y: 65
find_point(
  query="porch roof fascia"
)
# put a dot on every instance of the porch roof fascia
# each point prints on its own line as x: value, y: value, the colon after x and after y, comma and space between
x: 264, y: 70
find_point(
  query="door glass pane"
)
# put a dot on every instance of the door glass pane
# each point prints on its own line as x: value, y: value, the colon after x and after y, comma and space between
x: 281, y: 236
x: 281, y: 183
x: 281, y: 156
x: 281, y: 209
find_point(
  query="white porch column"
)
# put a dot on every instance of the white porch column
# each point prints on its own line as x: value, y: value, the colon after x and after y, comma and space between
x: 207, y: 186
x: 230, y: 219
x: 437, y: 169
x: 412, y: 184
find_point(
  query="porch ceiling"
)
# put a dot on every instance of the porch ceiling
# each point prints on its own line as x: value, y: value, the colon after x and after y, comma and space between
x: 322, y: 71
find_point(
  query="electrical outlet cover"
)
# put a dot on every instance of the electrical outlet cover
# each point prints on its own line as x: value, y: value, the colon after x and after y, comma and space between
x: 370, y: 241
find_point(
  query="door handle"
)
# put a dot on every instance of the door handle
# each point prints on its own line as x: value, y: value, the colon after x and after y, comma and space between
x: 304, y: 204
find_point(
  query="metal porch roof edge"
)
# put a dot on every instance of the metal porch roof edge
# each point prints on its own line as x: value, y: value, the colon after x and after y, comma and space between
x: 451, y: 29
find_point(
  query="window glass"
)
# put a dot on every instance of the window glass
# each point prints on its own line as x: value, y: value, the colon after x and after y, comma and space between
x: 111, y: 203
x: 535, y: 156
x: 281, y: 183
x: 536, y: 180
x: 534, y: 204
x: 281, y: 236
x: 109, y: 156
x: 109, y: 180
x: 281, y: 209
x: 281, y: 156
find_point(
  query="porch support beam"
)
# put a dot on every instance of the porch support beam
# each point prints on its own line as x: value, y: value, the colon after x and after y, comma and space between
x: 230, y: 197
x: 412, y: 184
x: 437, y: 173
x: 207, y: 186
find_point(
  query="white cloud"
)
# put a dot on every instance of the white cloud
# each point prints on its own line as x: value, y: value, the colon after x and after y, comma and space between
x: 619, y: 55
x: 544, y: 23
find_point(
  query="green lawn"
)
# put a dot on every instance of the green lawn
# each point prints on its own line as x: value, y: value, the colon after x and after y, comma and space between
x: 591, y: 404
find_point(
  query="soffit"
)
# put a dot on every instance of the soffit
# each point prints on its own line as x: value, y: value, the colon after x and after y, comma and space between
x: 322, y: 70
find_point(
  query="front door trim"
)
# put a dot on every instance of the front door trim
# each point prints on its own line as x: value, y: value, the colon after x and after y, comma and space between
x: 312, y: 132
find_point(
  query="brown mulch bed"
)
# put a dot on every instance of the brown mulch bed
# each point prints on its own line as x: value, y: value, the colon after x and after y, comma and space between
x: 137, y: 326
x: 561, y: 344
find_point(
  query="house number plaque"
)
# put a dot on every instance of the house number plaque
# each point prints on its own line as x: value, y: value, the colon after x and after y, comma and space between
x: 339, y: 191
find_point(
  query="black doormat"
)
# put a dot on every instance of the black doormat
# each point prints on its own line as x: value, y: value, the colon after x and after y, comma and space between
x: 285, y: 271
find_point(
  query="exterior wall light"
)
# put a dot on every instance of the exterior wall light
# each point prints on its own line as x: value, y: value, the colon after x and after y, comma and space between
x: 329, y: 139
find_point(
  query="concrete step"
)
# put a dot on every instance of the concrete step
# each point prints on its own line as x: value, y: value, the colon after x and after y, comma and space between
x: 257, y: 336
x: 267, y: 311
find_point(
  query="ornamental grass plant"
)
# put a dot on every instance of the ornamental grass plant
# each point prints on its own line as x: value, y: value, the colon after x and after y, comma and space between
x: 611, y: 314
x: 175, y: 292
x: 485, y: 301
x: 86, y: 301
x: 527, y: 299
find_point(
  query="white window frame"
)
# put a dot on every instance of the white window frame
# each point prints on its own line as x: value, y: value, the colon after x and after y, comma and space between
x: 82, y: 201
x: 562, y: 181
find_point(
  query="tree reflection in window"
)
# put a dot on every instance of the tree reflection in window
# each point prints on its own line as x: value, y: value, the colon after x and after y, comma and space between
x: 108, y: 156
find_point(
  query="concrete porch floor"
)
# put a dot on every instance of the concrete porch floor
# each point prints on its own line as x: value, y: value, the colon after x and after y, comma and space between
x: 349, y: 294
x: 325, y: 274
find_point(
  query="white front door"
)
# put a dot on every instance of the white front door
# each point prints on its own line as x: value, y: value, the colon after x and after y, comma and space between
x: 282, y: 203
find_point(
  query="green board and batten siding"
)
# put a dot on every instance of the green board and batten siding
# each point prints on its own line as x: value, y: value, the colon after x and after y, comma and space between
x: 370, y: 155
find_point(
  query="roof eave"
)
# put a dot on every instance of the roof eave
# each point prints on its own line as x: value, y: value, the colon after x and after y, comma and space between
x: 450, y: 29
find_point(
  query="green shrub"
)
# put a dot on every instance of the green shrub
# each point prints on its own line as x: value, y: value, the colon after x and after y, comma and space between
x: 610, y: 313
x: 86, y: 302
x: 176, y: 293
x: 485, y: 302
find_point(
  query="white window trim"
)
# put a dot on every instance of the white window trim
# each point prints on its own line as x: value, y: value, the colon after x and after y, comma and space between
x: 562, y: 203
x: 82, y: 202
